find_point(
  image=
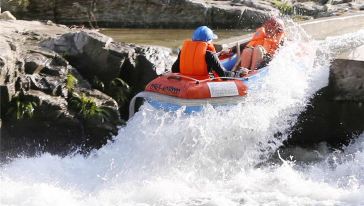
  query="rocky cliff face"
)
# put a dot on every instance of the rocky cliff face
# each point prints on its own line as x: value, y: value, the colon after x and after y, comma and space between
x: 63, y: 89
x: 173, y: 13
x: 143, y: 13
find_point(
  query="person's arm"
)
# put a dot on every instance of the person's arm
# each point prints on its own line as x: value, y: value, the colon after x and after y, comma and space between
x: 213, y: 63
x: 175, y: 66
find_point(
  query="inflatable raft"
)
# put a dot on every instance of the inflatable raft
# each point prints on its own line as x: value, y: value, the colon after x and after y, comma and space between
x: 173, y: 91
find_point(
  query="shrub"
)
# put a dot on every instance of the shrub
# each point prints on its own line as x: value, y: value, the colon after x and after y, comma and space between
x: 71, y: 82
x: 119, y: 90
x: 284, y: 6
x: 98, y: 84
x: 21, y: 107
x: 86, y: 107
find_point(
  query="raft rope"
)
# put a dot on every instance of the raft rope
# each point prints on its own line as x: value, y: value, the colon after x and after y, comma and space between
x: 209, y: 79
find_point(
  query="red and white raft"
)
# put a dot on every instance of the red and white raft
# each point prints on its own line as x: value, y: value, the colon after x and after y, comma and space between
x: 173, y: 91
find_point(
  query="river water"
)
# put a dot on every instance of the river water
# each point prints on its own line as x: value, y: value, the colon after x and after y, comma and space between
x: 221, y: 156
x: 172, y: 38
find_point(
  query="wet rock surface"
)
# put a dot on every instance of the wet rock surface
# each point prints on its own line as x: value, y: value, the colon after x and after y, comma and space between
x: 64, y: 90
x: 326, y: 120
x: 347, y: 80
x: 335, y: 115
x: 96, y: 55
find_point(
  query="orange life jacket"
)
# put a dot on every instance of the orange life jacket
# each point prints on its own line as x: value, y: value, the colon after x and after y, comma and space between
x: 192, y: 58
x: 270, y: 44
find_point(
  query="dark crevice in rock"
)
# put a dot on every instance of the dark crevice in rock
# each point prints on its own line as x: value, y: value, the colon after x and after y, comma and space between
x: 326, y: 120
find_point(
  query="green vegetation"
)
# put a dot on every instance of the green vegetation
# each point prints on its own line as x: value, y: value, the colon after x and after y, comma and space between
x: 22, y: 108
x: 119, y: 90
x: 71, y: 82
x: 284, y: 6
x: 86, y: 107
x: 98, y: 84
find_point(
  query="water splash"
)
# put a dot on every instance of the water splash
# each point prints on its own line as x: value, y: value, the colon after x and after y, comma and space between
x: 208, y: 158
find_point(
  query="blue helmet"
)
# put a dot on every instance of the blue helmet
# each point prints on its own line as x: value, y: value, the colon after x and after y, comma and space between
x: 203, y: 33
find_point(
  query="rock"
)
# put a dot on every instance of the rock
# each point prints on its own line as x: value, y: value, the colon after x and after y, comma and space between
x: 47, y: 72
x: 48, y: 107
x: 6, y: 15
x: 82, y: 83
x: 259, y: 5
x: 361, y: 7
x: 347, y: 80
x: 131, y: 13
x: 96, y: 55
x: 51, y: 128
x: 22, y: 83
x: 8, y: 74
x: 50, y: 85
x: 110, y: 106
x: 310, y: 9
x: 29, y: 73
x: 34, y: 63
x: 324, y: 1
x: 334, y: 2
x: 171, y: 13
x: 7, y: 92
x: 7, y: 67
x: 102, y: 99
x: 333, y: 122
x: 38, y: 9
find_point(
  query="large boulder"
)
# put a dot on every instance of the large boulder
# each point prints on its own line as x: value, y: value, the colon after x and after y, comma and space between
x: 334, y: 122
x: 46, y: 102
x: 96, y: 55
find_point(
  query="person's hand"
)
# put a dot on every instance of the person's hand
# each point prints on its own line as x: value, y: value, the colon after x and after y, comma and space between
x: 225, y: 52
x: 237, y: 74
x: 241, y: 72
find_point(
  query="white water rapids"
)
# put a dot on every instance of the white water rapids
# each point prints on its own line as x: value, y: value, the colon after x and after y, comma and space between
x: 209, y: 158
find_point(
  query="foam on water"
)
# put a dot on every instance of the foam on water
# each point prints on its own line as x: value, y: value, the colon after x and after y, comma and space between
x: 208, y: 158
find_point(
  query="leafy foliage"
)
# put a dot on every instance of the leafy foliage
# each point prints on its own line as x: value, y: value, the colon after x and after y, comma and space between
x: 71, y: 82
x: 284, y: 6
x: 119, y: 90
x: 86, y: 107
x: 22, y: 108
x: 98, y: 84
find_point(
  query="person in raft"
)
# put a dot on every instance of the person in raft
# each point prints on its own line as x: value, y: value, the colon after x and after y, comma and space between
x: 198, y: 57
x: 266, y: 40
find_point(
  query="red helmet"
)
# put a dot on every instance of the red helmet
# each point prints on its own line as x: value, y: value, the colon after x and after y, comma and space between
x: 274, y: 24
